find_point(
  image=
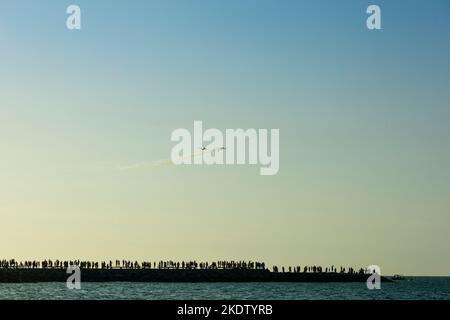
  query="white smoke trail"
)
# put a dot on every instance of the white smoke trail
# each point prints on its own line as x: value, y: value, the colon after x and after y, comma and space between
x: 164, y: 162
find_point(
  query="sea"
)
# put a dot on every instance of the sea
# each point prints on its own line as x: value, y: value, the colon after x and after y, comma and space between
x: 413, y: 288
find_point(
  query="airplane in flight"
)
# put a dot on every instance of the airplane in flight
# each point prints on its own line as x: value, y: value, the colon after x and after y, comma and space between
x: 204, y: 148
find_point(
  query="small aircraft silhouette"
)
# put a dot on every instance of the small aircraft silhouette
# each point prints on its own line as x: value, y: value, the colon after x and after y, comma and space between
x: 204, y: 148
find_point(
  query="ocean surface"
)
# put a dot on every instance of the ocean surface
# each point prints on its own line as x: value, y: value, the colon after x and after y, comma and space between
x: 414, y: 288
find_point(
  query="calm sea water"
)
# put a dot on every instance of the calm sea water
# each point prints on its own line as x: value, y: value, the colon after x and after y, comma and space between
x: 417, y: 288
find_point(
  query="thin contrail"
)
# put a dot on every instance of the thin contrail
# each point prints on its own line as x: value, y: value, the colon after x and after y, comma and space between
x: 164, y: 162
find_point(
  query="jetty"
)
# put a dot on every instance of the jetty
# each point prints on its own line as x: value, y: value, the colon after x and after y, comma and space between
x: 12, y: 271
x: 174, y: 275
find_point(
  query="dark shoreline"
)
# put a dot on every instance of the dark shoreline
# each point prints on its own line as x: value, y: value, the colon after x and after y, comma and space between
x: 175, y: 275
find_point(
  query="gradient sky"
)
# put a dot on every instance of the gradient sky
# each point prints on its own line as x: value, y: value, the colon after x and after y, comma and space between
x: 364, y: 119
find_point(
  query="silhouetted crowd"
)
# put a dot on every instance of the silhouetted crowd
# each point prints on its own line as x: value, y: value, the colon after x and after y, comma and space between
x: 184, y: 265
x: 319, y: 269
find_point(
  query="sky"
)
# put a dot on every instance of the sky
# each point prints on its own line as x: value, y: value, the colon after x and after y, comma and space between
x: 364, y: 119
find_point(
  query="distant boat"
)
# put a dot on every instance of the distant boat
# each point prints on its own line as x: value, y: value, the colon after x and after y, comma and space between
x: 398, y: 277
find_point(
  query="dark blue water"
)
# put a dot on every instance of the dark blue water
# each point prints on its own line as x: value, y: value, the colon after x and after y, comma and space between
x: 417, y: 288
